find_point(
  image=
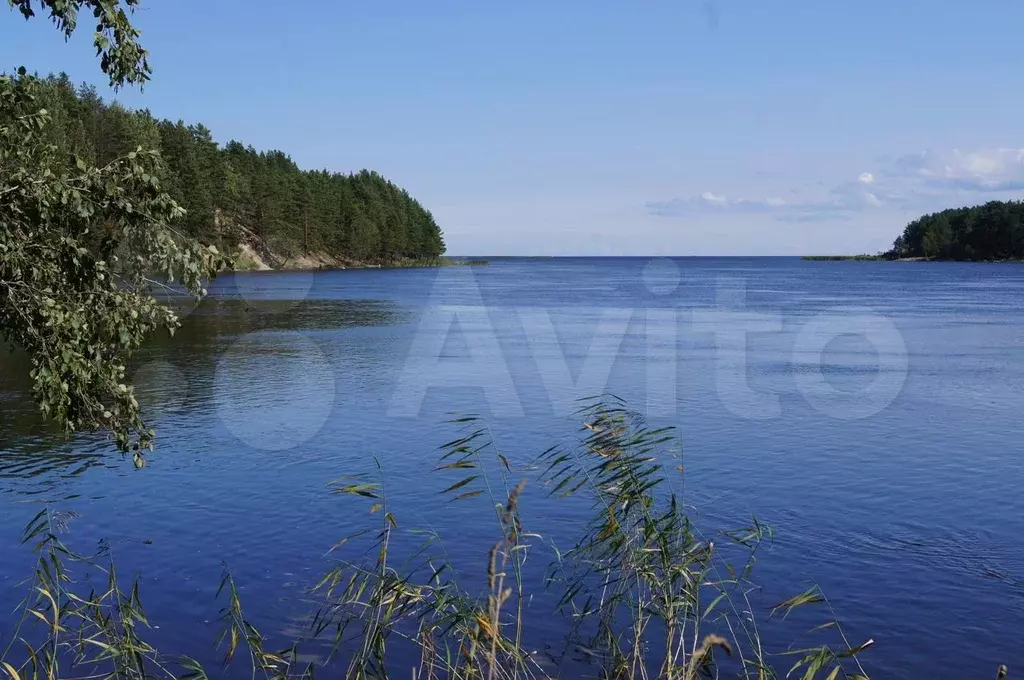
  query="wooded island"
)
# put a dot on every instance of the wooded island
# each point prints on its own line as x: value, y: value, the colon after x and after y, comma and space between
x: 990, y: 232
x: 235, y: 195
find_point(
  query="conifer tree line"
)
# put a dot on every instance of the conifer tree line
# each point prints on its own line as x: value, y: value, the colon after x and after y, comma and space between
x: 993, y: 231
x: 235, y: 194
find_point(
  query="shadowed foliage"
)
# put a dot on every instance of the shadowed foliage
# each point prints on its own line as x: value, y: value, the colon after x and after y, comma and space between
x: 993, y: 231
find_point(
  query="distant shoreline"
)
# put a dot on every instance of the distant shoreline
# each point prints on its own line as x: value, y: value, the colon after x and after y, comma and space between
x: 405, y: 264
x: 248, y: 259
x: 882, y: 258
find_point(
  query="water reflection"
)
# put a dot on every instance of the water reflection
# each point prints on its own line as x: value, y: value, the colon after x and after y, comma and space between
x: 261, y: 377
x: 173, y: 375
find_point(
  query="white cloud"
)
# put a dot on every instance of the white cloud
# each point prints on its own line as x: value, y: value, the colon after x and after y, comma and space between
x: 982, y: 170
x: 924, y: 181
x: 710, y: 202
x: 840, y: 202
x: 709, y: 197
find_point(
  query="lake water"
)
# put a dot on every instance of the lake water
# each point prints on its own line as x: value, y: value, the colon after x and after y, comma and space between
x: 870, y: 412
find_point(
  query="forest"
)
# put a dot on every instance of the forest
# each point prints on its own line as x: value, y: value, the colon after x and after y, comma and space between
x: 993, y: 231
x: 235, y: 194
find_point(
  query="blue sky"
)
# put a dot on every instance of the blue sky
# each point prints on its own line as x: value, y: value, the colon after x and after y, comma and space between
x: 719, y: 127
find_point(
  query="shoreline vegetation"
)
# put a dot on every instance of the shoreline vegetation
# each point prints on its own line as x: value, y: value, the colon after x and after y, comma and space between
x: 886, y: 258
x: 643, y: 592
x: 236, y: 197
x: 841, y: 258
x: 247, y: 259
x: 317, y: 265
x: 993, y: 232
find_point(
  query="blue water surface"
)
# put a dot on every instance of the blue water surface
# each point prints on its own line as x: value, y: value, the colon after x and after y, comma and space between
x: 870, y: 412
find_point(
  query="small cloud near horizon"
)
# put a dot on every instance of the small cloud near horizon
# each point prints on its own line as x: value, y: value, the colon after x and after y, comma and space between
x: 920, y: 181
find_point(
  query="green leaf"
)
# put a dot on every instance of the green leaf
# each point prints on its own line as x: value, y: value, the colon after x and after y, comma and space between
x: 810, y: 596
x: 458, y: 485
x: 11, y: 670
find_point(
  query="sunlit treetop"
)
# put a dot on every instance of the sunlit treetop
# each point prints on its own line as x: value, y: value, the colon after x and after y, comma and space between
x: 121, y: 55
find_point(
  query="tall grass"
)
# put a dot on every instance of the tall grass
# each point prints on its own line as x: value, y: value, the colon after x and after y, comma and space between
x: 643, y: 592
x: 64, y: 630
